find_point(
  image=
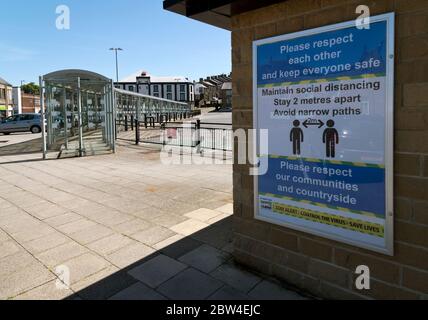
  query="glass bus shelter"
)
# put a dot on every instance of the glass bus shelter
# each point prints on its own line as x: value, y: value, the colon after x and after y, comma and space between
x: 79, y: 113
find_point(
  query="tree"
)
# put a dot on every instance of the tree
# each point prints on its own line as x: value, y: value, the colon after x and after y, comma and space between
x: 31, y: 88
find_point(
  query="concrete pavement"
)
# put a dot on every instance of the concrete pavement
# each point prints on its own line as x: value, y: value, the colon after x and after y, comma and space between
x: 121, y: 226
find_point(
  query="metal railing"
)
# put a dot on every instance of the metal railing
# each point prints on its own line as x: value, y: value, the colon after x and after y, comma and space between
x: 144, y: 107
x: 164, y: 122
x: 201, y: 135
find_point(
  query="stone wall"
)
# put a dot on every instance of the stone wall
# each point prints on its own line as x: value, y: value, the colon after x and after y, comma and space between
x: 323, y: 267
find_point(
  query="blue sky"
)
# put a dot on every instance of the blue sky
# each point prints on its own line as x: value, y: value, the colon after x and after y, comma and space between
x: 158, y: 41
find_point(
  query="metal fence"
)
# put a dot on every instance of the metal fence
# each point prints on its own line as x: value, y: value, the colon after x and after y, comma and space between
x: 165, y: 122
x: 130, y: 106
x: 201, y: 135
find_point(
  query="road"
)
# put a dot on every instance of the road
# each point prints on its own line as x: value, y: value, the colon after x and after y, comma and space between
x: 15, y: 138
x: 217, y: 117
x: 20, y: 143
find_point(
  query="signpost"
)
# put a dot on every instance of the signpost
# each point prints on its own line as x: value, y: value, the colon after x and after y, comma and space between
x: 326, y: 97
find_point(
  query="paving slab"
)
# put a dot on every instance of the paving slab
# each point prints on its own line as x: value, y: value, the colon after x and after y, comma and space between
x: 62, y: 253
x: 110, y: 244
x: 47, y: 291
x: 25, y: 279
x: 45, y: 243
x: 153, y: 235
x: 84, y: 266
x: 180, y: 247
x: 91, y: 234
x: 202, y: 214
x: 267, y: 290
x: 168, y: 220
x: 189, y: 227
x: 157, y: 270
x: 4, y: 236
x: 190, y: 284
x: 76, y: 226
x: 237, y: 278
x: 45, y: 210
x: 165, y: 244
x: 205, y: 258
x: 130, y: 254
x: 32, y: 231
x: 227, y: 293
x: 106, y: 287
x: 8, y: 248
x: 63, y: 219
x: 138, y: 291
x: 133, y: 226
x: 227, y: 209
x: 15, y: 262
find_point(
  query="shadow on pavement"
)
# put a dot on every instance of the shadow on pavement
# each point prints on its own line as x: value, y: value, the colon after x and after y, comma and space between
x: 27, y: 147
x: 218, y: 236
x: 197, y: 267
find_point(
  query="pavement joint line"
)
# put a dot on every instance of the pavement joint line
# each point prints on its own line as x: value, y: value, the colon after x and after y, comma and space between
x: 24, y: 292
x: 57, y: 187
x: 35, y: 258
x: 62, y: 233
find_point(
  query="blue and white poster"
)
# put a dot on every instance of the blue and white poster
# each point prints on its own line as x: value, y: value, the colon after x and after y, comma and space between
x: 326, y: 98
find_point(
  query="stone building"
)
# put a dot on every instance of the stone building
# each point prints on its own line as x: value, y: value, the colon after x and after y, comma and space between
x: 209, y: 91
x: 325, y: 267
x: 6, y: 103
x: 177, y: 88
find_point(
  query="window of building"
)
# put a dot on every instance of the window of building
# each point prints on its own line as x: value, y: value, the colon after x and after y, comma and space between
x: 156, y: 88
x: 156, y: 94
x: 182, y: 87
x: 131, y: 88
x: 182, y: 96
x: 169, y: 96
x: 169, y: 88
x: 2, y: 93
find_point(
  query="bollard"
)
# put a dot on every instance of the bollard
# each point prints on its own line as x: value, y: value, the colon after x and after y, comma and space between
x: 115, y: 129
x: 132, y: 122
x: 137, y: 132
x: 126, y: 123
x: 145, y: 121
x: 198, y: 136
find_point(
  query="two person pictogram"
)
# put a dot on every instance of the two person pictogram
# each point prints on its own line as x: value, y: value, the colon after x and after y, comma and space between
x: 330, y: 138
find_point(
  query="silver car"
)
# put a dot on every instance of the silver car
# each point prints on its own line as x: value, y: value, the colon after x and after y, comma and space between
x: 27, y: 122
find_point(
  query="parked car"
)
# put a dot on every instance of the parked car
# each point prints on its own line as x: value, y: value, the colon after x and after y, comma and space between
x: 31, y: 122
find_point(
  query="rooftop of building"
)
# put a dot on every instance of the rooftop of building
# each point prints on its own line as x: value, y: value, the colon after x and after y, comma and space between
x: 132, y: 78
x: 217, y: 80
x: 227, y: 86
x: 4, y: 82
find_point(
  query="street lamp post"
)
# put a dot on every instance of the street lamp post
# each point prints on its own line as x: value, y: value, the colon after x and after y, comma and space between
x: 117, y: 64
